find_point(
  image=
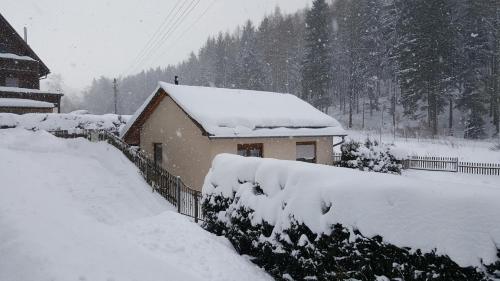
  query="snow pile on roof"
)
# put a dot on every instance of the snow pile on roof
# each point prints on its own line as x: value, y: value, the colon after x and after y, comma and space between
x: 75, y: 210
x: 245, y: 113
x: 15, y: 57
x: 63, y: 121
x: 25, y: 90
x: 7, y: 102
x: 459, y: 219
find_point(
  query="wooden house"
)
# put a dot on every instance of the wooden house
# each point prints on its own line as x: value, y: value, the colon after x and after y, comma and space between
x: 20, y: 73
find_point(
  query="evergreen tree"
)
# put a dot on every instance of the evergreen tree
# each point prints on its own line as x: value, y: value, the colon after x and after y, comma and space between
x: 424, y: 55
x: 249, y: 65
x: 474, y: 54
x: 316, y: 76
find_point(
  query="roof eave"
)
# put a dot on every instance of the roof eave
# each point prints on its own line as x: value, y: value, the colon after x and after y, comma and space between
x: 44, y: 69
x: 261, y: 137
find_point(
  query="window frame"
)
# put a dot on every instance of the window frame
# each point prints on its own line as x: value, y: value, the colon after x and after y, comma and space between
x: 315, y: 159
x: 16, y: 81
x: 247, y: 147
x: 158, y: 152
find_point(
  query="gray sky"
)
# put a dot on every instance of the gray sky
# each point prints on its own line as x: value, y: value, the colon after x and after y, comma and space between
x: 83, y: 39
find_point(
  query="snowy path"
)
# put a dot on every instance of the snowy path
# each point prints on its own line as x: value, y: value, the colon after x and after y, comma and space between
x: 75, y: 210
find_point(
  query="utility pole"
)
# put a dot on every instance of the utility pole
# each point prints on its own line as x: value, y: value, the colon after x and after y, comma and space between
x: 115, y: 94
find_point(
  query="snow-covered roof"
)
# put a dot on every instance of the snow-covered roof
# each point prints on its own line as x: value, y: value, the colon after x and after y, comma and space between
x: 7, y: 102
x: 16, y: 57
x: 233, y: 113
x: 25, y: 90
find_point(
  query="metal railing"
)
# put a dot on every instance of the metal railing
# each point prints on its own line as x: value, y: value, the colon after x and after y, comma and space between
x: 169, y: 186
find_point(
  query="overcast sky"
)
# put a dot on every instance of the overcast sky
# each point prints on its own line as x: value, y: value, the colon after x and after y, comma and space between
x: 83, y: 39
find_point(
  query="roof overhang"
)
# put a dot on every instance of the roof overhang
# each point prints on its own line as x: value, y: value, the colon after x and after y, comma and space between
x: 131, y: 132
x: 44, y: 70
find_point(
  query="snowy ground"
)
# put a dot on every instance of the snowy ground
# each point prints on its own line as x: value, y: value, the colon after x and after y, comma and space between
x: 486, y: 151
x: 75, y: 210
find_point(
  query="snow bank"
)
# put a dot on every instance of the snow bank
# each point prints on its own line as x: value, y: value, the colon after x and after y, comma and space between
x: 457, y: 219
x: 244, y: 113
x: 75, y: 210
x: 68, y: 121
x: 7, y: 102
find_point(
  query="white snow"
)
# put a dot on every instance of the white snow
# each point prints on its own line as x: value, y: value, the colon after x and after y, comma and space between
x: 458, y: 217
x: 63, y: 121
x: 25, y: 90
x: 482, y: 151
x: 75, y: 210
x: 16, y: 57
x: 243, y: 113
x: 8, y: 102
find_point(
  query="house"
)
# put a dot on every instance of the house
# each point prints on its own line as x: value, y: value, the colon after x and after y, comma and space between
x: 185, y: 127
x: 20, y: 73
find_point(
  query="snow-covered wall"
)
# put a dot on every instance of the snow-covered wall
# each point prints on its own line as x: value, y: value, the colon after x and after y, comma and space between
x: 455, y: 220
x: 63, y: 121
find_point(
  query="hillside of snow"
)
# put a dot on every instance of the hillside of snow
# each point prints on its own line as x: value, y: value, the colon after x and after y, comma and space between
x: 75, y: 210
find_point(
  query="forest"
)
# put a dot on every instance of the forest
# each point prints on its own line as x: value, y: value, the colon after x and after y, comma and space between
x: 421, y: 67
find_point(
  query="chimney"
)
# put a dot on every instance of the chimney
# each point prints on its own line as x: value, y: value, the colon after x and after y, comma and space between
x: 25, y: 34
x: 176, y: 80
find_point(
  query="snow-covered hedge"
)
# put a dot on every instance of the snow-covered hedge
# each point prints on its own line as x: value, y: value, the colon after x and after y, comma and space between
x: 304, y: 221
x: 63, y: 121
x: 369, y: 156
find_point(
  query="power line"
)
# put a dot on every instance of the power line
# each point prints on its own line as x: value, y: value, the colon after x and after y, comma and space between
x: 172, y: 29
x: 185, y: 31
x: 163, y: 26
x: 154, y: 36
x: 158, y: 39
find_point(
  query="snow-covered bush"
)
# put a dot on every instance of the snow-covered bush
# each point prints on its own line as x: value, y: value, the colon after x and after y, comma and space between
x: 63, y: 121
x: 301, y: 221
x: 369, y: 156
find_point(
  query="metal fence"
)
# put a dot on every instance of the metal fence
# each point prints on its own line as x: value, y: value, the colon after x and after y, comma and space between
x: 442, y: 164
x: 169, y: 186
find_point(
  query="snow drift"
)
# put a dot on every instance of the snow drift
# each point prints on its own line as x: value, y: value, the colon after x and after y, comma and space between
x: 76, y: 210
x: 457, y: 220
x: 63, y: 121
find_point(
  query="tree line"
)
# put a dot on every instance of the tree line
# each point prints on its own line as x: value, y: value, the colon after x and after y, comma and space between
x: 430, y: 66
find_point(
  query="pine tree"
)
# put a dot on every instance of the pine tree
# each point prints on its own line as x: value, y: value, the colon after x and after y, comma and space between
x: 424, y: 55
x: 316, y: 67
x: 474, y: 52
x: 495, y: 99
x: 352, y: 51
x: 249, y: 64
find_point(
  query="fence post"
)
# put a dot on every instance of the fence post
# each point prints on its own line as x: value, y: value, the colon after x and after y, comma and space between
x: 196, y: 207
x: 178, y: 190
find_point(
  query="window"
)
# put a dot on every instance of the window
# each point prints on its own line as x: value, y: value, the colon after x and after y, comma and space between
x: 306, y: 152
x: 12, y: 82
x: 251, y: 150
x: 158, y: 153
x: 3, y: 48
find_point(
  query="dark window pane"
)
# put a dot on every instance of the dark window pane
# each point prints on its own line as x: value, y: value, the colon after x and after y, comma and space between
x: 251, y: 150
x: 158, y: 153
x: 306, y: 152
